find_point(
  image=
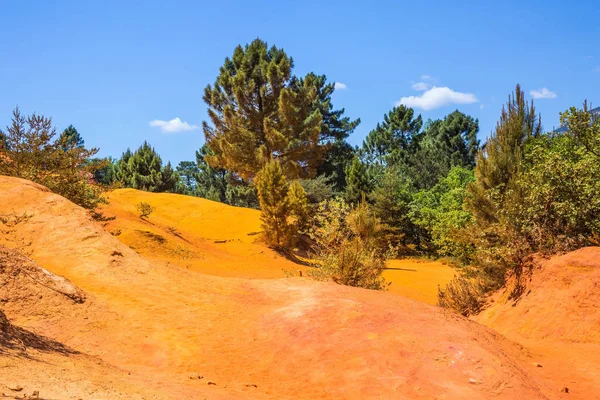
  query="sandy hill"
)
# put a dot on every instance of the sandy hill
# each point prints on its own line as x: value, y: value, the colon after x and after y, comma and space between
x: 557, y: 318
x: 217, y: 239
x: 163, y: 326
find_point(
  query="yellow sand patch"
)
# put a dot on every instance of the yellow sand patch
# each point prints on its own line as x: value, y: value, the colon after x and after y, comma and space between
x: 418, y: 279
x: 218, y: 239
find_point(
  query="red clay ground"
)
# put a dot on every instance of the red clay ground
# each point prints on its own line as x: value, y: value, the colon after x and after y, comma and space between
x: 558, y: 320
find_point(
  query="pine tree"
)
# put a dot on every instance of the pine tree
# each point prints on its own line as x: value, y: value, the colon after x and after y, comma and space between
x: 498, y: 161
x: 299, y: 208
x: 259, y: 111
x: 70, y: 137
x: 358, y: 183
x: 32, y: 151
x: 273, y: 189
x: 168, y: 179
x: 143, y: 170
x: 392, y: 140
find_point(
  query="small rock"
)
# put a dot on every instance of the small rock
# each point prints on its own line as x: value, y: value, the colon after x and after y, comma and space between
x: 35, y: 395
x: 537, y: 365
x: 564, y: 390
x: 251, y: 385
x: 474, y: 381
x: 211, y: 383
x: 195, y: 376
x: 16, y: 388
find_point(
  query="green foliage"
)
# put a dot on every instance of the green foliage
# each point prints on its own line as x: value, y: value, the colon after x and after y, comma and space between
x: 71, y: 138
x: 358, y: 181
x: 584, y: 126
x: 284, y: 207
x: 444, y: 144
x: 394, y: 139
x: 260, y: 111
x: 556, y: 200
x: 144, y: 209
x: 498, y: 162
x: 347, y: 246
x: 319, y: 189
x: 200, y: 179
x: 439, y: 211
x: 143, y: 170
x: 299, y: 207
x: 338, y: 157
x: 32, y: 151
x: 391, y: 204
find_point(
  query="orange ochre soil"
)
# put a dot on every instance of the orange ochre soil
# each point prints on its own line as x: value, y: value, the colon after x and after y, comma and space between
x: 189, y: 304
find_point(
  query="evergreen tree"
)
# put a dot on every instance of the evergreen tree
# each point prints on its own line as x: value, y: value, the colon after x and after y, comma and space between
x: 358, y: 183
x: 392, y: 141
x: 299, y: 208
x: 451, y: 142
x: 391, y: 204
x: 498, y: 161
x: 273, y: 189
x: 143, y: 170
x: 259, y: 111
x: 169, y: 179
x: 338, y: 157
x: 71, y: 137
x: 32, y: 151
x: 145, y: 166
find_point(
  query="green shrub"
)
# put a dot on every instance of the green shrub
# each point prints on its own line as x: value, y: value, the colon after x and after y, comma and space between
x: 346, y: 245
x: 144, y: 209
x: 463, y: 295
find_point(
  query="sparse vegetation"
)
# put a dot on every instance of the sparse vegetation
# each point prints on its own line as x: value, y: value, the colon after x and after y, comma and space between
x: 30, y: 149
x: 144, y: 209
x: 347, y: 247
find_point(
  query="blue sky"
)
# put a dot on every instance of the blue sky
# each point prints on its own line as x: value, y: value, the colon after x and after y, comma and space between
x: 111, y: 67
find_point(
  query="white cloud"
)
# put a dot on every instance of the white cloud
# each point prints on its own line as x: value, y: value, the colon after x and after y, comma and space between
x: 481, y: 106
x: 340, y: 86
x: 437, y: 97
x: 173, y: 126
x: 421, y: 86
x: 426, y: 77
x: 543, y: 93
x: 597, y: 69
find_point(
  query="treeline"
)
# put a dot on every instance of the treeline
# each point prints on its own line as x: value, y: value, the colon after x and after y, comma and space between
x: 275, y: 141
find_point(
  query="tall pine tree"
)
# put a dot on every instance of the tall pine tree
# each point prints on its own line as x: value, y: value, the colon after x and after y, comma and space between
x: 498, y: 161
x: 259, y: 111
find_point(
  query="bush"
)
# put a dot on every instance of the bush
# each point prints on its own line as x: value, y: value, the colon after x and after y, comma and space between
x: 30, y: 149
x: 346, y: 245
x: 439, y: 211
x: 463, y: 295
x: 144, y: 209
